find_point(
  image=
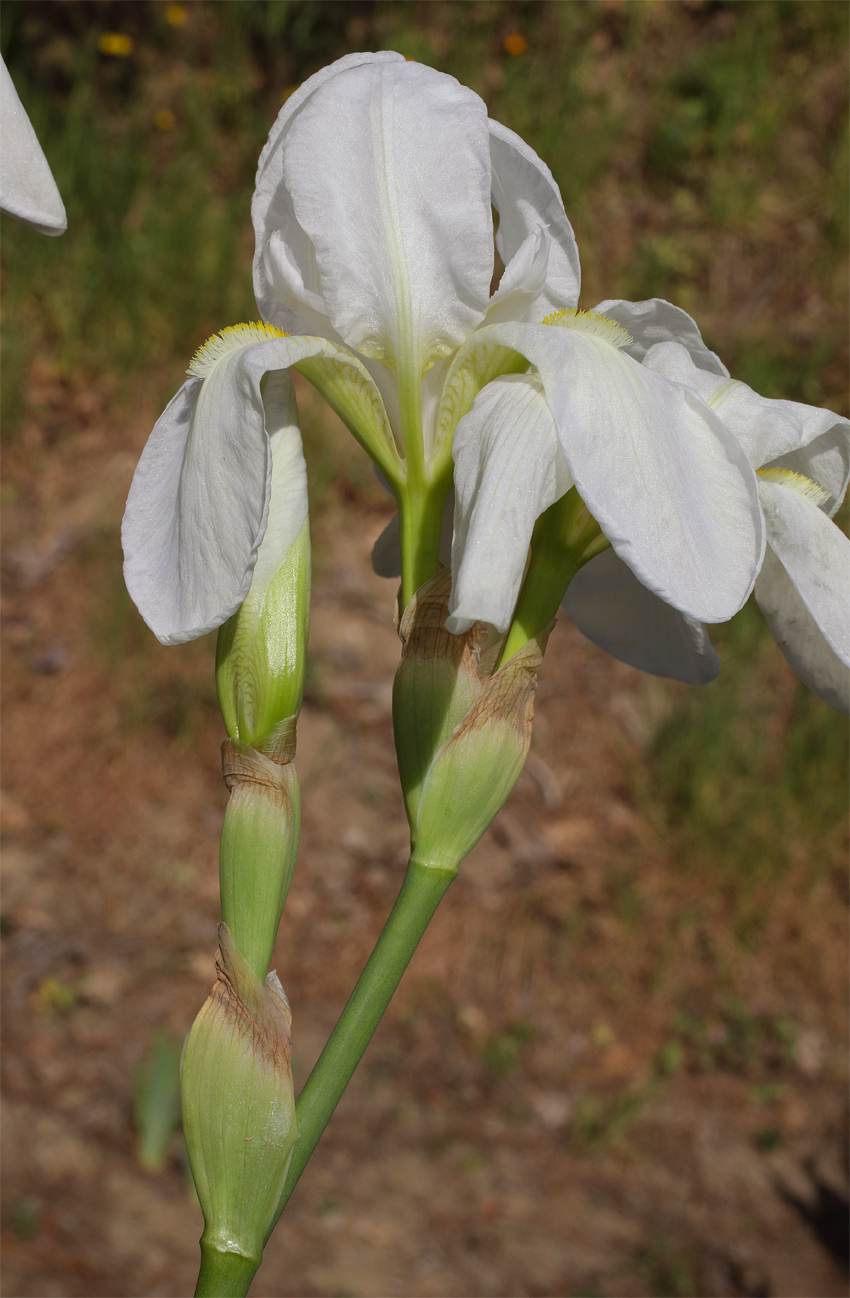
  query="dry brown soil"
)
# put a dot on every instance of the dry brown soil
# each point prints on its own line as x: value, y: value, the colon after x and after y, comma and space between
x: 510, y: 1131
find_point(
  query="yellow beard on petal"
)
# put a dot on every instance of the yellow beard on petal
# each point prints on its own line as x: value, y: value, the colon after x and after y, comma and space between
x: 229, y: 340
x: 589, y: 322
x: 795, y: 482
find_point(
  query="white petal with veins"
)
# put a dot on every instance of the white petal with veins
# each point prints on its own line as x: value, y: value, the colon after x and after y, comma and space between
x: 666, y: 481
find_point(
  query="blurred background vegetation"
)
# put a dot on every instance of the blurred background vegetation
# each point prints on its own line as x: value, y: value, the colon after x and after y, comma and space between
x: 701, y: 149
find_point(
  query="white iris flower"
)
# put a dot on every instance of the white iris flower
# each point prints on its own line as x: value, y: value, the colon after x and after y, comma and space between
x: 373, y: 267
x: 27, y: 188
x: 373, y: 215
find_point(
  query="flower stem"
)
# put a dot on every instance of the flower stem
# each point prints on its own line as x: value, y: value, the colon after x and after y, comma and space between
x: 224, y: 1275
x: 420, y: 895
x: 420, y: 512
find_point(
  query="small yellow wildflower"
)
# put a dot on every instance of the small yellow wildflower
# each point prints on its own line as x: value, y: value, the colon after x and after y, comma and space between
x: 175, y: 15
x: 164, y: 119
x: 116, y: 44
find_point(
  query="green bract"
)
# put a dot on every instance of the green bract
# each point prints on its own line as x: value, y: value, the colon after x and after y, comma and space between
x: 238, y: 1106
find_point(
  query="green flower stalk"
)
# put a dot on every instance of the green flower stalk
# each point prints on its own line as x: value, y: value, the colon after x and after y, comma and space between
x: 238, y: 1114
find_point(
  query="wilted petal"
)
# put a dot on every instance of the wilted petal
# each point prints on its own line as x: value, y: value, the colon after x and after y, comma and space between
x: 527, y: 199
x: 609, y: 605
x: 666, y: 481
x: 799, y: 637
x: 398, y: 213
x: 198, y: 504
x: 782, y: 434
x: 656, y: 321
x: 509, y: 468
x: 27, y: 188
x: 816, y: 555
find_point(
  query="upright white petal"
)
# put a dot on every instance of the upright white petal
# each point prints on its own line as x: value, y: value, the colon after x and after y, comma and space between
x: 668, y: 484
x: 783, y: 434
x: 609, y: 605
x: 286, y: 279
x: 198, y: 504
x: 398, y: 210
x: 527, y: 198
x: 656, y: 321
x: 508, y: 469
x: 798, y: 635
x: 816, y: 555
x: 27, y: 188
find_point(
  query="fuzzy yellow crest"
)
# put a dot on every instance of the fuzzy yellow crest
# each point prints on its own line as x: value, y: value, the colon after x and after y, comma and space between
x: 795, y: 482
x: 589, y: 322
x: 229, y: 340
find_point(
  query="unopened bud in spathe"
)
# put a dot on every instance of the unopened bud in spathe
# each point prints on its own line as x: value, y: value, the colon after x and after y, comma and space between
x: 462, y: 730
x: 238, y: 1104
x: 261, y: 649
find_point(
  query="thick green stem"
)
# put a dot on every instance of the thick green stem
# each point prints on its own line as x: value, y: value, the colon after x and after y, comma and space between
x: 565, y: 537
x: 421, y: 893
x: 420, y: 513
x: 224, y: 1275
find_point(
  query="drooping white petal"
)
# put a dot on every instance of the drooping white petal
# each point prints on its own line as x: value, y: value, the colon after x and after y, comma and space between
x: 27, y: 188
x: 816, y: 555
x: 398, y: 212
x: 799, y: 637
x: 286, y: 278
x: 609, y: 605
x: 508, y: 470
x: 197, y: 509
x: 785, y: 434
x: 527, y: 199
x: 656, y: 321
x: 666, y: 481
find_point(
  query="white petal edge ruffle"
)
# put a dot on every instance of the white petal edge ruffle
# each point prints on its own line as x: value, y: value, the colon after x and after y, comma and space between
x: 527, y: 198
x: 656, y: 321
x: 781, y: 434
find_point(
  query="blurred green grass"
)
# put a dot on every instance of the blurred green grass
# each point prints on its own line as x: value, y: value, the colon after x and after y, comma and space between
x: 701, y: 149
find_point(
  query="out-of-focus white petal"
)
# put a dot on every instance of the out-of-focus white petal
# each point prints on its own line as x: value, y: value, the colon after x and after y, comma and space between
x: 816, y: 555
x: 656, y: 321
x: 197, y: 509
x: 609, y: 605
x: 27, y: 188
x: 666, y: 481
x: 527, y: 198
x: 782, y: 434
x: 508, y: 470
x: 286, y: 278
x: 799, y: 637
x: 398, y: 212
